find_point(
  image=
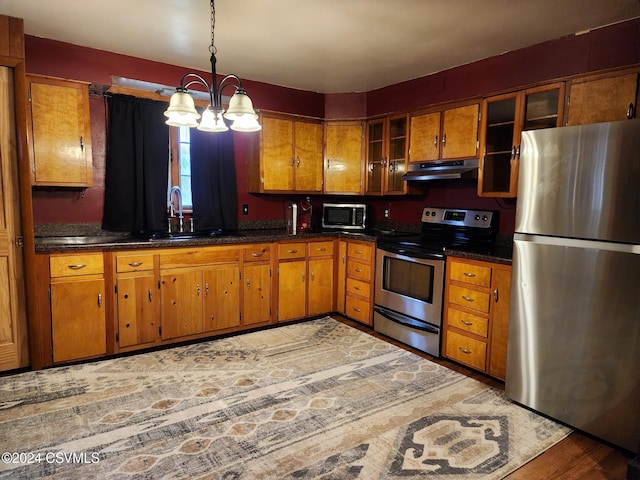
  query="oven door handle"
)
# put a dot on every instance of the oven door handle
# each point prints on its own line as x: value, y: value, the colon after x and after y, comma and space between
x: 409, y: 251
x: 402, y: 320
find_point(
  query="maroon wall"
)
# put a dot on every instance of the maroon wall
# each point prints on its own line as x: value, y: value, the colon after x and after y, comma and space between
x: 613, y: 46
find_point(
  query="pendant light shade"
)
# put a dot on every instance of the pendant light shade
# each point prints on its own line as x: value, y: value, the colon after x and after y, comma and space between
x: 182, y: 111
x: 212, y: 121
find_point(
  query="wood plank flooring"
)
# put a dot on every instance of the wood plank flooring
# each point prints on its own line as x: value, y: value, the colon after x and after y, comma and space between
x: 577, y: 457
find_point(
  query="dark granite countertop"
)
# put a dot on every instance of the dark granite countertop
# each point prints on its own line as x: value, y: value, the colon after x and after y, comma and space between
x: 108, y: 241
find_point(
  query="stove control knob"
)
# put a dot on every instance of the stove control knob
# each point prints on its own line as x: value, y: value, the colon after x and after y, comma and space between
x: 485, y: 218
x: 433, y: 214
x: 427, y: 212
x: 477, y: 217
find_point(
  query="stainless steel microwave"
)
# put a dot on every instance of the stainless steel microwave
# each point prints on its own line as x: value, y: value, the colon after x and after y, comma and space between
x: 345, y: 216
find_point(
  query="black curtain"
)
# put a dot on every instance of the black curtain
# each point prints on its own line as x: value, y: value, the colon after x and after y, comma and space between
x: 213, y: 181
x: 137, y: 165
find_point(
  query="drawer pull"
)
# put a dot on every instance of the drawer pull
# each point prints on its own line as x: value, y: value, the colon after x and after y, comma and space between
x: 468, y: 324
x: 464, y: 350
x: 100, y: 300
x: 469, y: 274
x: 468, y: 299
x: 357, y: 288
x: 357, y: 309
x: 359, y: 252
x: 321, y: 249
x: 135, y: 264
x: 292, y: 250
x: 358, y: 270
x: 77, y: 266
x: 150, y: 296
x: 259, y: 254
x: 495, y: 295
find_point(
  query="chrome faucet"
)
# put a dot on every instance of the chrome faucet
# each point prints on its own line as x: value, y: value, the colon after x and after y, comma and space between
x: 176, y: 206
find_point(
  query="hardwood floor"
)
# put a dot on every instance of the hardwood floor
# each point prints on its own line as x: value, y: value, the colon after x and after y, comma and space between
x: 577, y: 457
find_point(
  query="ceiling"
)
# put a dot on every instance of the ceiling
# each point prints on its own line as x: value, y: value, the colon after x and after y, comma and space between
x: 326, y: 46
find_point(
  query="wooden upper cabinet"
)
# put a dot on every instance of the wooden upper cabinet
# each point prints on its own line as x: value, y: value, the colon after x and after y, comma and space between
x: 343, y: 158
x: 59, y: 132
x: 602, y: 99
x: 387, y: 147
x: 289, y: 157
x: 445, y: 135
x: 504, y: 118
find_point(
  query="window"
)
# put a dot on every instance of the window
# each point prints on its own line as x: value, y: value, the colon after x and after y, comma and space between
x: 180, y: 165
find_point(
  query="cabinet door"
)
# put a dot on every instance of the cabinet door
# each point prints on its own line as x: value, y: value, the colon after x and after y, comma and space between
x: 424, y: 144
x: 376, y: 155
x: 341, y: 277
x: 221, y: 297
x: 343, y: 158
x: 78, y: 319
x: 501, y: 285
x: 137, y: 310
x: 181, y: 303
x: 277, y: 154
x: 257, y: 294
x: 60, y: 133
x: 460, y: 132
x: 308, y: 157
x: 291, y: 289
x: 320, y: 286
x: 398, y: 146
x: 603, y: 100
x: 498, y: 174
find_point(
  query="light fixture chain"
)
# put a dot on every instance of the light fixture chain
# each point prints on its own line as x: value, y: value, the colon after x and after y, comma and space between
x: 212, y: 48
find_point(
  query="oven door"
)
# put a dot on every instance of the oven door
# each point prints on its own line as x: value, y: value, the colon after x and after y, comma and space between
x: 410, y: 281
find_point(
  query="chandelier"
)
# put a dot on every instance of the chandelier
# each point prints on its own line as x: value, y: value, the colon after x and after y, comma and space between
x: 182, y: 111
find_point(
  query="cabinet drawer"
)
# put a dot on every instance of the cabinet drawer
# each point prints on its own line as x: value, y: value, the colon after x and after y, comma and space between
x: 71, y: 265
x: 359, y: 270
x: 134, y: 263
x: 468, y: 322
x: 320, y: 249
x: 469, y: 298
x: 188, y: 257
x: 257, y: 253
x: 291, y: 250
x: 472, y: 274
x: 360, y: 251
x: 358, y: 287
x: 358, y: 309
x: 466, y: 350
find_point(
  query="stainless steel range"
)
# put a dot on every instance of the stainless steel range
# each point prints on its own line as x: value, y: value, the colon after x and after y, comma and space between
x: 410, y: 273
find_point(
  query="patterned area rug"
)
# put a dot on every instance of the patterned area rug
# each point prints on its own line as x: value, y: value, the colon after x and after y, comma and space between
x: 312, y: 400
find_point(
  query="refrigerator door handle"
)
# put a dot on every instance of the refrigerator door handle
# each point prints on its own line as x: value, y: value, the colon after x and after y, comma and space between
x: 577, y: 243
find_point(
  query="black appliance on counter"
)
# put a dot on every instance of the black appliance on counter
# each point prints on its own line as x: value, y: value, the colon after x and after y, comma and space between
x: 410, y: 272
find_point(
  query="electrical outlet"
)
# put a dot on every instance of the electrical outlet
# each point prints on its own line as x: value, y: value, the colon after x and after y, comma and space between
x: 245, y: 209
x: 386, y: 213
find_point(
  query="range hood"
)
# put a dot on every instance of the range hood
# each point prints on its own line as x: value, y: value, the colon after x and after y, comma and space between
x: 442, y: 170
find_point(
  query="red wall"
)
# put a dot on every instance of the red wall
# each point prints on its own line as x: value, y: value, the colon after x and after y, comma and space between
x: 614, y: 46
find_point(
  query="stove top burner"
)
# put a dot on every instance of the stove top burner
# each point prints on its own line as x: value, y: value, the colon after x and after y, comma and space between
x: 450, y: 229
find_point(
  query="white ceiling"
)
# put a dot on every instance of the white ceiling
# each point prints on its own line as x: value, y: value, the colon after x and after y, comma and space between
x: 327, y: 46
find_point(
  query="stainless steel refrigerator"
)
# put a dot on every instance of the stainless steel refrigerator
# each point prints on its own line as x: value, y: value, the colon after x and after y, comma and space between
x: 574, y: 331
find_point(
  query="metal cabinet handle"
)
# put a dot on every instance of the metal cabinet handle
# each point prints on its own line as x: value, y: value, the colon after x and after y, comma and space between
x: 292, y: 251
x: 321, y: 249
x: 468, y: 324
x: 150, y: 296
x: 328, y: 163
x: 444, y: 139
x: 259, y: 254
x: 359, y: 252
x: 313, y: 275
x: 464, y: 350
x: 302, y: 277
x: 518, y: 151
x: 100, y: 300
x: 631, y: 111
x: 297, y: 161
x: 135, y: 264
x: 513, y: 152
x: 392, y: 167
x: 358, y: 270
x: 198, y: 289
x: 435, y: 141
x: 357, y: 309
x: 77, y: 266
x: 357, y: 288
x: 495, y: 295
x: 81, y: 144
x: 248, y: 283
x: 292, y: 161
x: 206, y: 289
x: 468, y: 299
x: 469, y: 274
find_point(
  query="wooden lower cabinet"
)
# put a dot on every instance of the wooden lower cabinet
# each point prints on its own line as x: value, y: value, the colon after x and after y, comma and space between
x: 256, y: 306
x: 305, y: 279
x: 221, y: 297
x: 77, y: 302
x: 476, y: 314
x: 181, y: 303
x: 137, y: 310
